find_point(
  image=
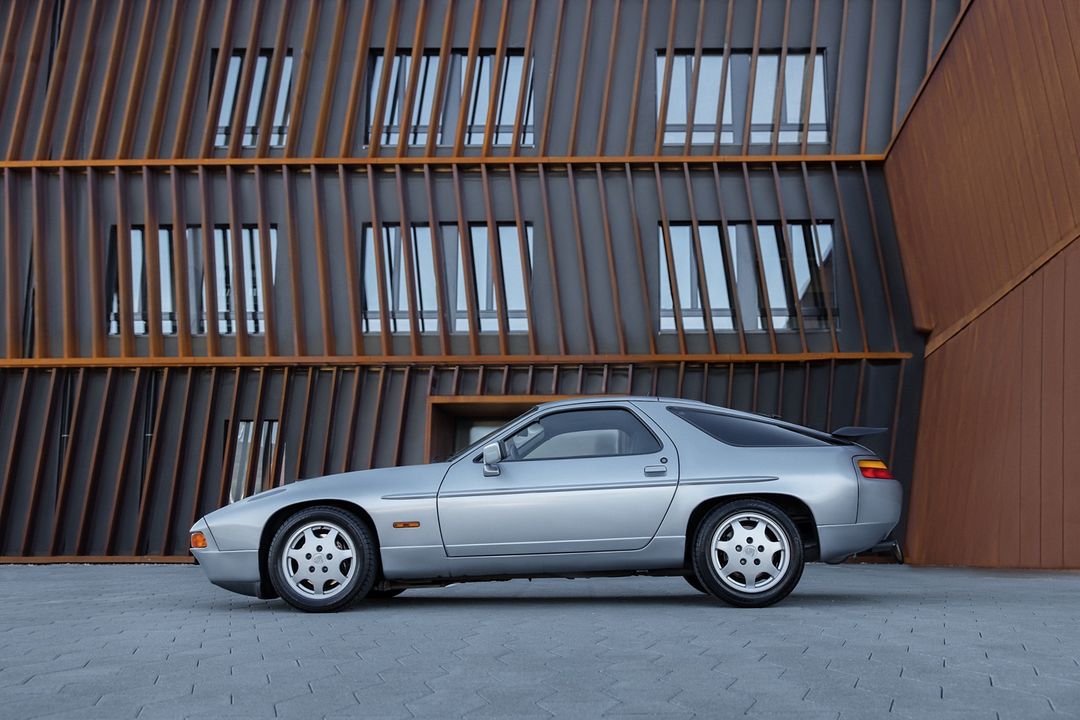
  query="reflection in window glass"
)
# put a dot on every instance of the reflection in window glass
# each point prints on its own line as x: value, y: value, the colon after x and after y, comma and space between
x: 394, y: 104
x: 507, y: 95
x: 808, y: 265
x: 515, y: 277
x: 798, y: 67
x: 140, y: 282
x: 259, y: 91
x: 396, y: 281
x: 264, y: 447
x: 251, y: 270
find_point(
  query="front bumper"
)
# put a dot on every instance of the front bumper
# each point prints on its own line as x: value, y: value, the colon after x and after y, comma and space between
x: 235, y: 570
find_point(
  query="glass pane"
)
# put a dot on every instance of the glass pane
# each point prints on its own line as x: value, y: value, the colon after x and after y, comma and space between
x: 138, y: 281
x: 258, y: 87
x: 228, y: 99
x: 773, y: 265
x: 485, y: 282
x: 708, y: 95
x: 427, y: 310
x: 515, y: 277
x: 369, y: 311
x: 280, y: 129
x: 741, y: 239
x: 712, y: 254
x: 165, y: 272
x: 761, y: 115
x: 242, y: 452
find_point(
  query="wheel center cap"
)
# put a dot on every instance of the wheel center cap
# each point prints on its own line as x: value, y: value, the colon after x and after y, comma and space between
x: 751, y: 550
x: 318, y: 558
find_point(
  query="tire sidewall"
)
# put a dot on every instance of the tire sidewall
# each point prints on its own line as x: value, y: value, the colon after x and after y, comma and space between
x: 364, y: 550
x: 707, y: 574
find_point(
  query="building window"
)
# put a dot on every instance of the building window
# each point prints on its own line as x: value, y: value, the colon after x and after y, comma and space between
x: 260, y: 91
x: 394, y: 104
x: 425, y: 286
x: 512, y: 89
x: 249, y: 449
x: 767, y: 74
x: 140, y: 281
x: 251, y: 267
x: 802, y: 275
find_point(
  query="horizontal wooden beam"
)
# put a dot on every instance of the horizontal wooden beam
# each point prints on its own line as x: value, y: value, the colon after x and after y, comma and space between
x: 437, y: 360
x: 303, y: 164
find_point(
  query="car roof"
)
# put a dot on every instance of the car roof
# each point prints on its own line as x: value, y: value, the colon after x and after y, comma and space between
x: 681, y: 402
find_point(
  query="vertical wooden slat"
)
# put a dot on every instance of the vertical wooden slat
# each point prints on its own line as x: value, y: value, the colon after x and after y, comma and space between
x: 822, y: 275
x: 869, y: 77
x: 579, y: 85
x: 93, y: 469
x: 613, y: 275
x: 299, y: 100
x: 415, y: 60
x: 380, y: 265
x: 44, y: 434
x: 174, y: 474
x: 389, y: 56
x: 376, y: 418
x: 191, y: 82
x: 495, y: 257
x: 217, y: 86
x: 236, y: 249
x: 635, y: 90
x: 292, y: 243
x: 443, y: 299
x: 356, y: 85
x: 331, y: 416
x: 808, y: 81
x: 40, y: 265
x: 138, y: 78
x: 104, y: 110
x: 122, y: 462
x: 699, y: 261
x: 181, y: 266
x: 56, y: 75
x: 465, y: 242
x: 233, y: 419
x: 785, y: 236
x: 270, y: 346
x: 850, y: 256
x: 669, y: 255
x: 67, y: 269
x: 930, y: 34
x: 95, y: 251
x: 273, y: 81
x: 778, y: 97
x: 601, y: 129
x: 149, y: 479
x: 238, y: 119
x: 12, y: 461
x: 204, y: 447
x: 695, y: 79
x: 885, y: 289
x: 899, y: 67
x: 526, y: 255
x: 525, y: 84
x: 152, y: 258
x: 894, y: 431
x: 639, y: 248
x: 350, y: 430
x: 406, y: 234
x: 468, y: 77
x: 348, y: 239
x: 665, y: 90
x: 401, y: 414
x: 75, y: 124
x: 209, y: 289
x: 553, y: 73
x: 435, y: 122
x: 839, y: 78
x: 12, y: 281
x: 164, y: 82
x: 575, y: 216
x: 29, y: 78
x: 256, y: 434
x: 729, y: 262
x: 277, y: 462
x: 318, y: 143
x: 549, y: 241
x: 322, y: 265
x: 12, y: 25
x: 496, y: 79
x: 724, y: 72
x: 763, y: 296
x: 752, y: 82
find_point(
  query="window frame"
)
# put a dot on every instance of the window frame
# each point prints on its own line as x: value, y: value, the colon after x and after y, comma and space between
x: 824, y: 439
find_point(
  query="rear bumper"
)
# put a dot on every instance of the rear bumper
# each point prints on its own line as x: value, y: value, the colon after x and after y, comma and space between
x: 235, y: 570
x: 879, y: 511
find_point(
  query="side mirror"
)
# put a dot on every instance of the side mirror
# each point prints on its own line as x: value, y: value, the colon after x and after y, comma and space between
x: 492, y: 457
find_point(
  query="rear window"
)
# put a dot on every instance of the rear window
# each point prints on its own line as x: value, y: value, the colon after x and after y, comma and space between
x: 745, y: 432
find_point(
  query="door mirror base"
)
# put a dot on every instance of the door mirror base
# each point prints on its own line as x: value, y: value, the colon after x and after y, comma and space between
x: 493, y: 455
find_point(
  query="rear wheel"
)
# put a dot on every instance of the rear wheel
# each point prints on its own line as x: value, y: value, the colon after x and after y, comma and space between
x: 693, y: 582
x: 748, y: 553
x: 321, y: 559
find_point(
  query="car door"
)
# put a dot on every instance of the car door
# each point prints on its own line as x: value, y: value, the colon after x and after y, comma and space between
x: 572, y: 480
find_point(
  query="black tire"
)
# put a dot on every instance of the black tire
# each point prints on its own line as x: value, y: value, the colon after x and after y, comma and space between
x: 693, y: 582
x: 383, y: 594
x: 361, y: 569
x: 772, y: 520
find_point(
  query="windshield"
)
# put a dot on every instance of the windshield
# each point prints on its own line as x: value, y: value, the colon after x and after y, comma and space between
x: 487, y: 438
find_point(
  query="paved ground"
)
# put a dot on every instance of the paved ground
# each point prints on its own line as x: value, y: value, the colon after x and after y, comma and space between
x: 852, y: 641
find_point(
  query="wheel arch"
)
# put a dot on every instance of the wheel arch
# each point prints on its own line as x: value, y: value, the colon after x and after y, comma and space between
x: 279, y: 516
x: 799, y: 512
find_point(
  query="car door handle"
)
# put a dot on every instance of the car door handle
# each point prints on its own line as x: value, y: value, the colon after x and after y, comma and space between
x: 655, y: 469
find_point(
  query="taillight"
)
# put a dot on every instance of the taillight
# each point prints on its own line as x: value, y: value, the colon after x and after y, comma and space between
x: 875, y: 469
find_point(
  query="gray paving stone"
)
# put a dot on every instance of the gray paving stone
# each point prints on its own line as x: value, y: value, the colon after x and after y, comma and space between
x: 851, y: 642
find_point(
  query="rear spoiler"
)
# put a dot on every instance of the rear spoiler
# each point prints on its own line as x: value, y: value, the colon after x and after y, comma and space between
x: 854, y: 433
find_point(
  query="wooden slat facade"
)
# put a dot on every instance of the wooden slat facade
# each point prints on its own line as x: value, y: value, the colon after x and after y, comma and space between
x: 317, y: 217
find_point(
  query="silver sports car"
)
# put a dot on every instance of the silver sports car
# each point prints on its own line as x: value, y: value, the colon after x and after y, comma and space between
x: 734, y: 502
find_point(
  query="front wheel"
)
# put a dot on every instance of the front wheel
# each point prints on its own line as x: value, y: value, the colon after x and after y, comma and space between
x: 321, y: 559
x: 748, y: 553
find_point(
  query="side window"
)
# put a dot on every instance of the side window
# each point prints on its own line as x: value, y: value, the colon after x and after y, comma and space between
x: 602, y: 432
x: 744, y: 432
